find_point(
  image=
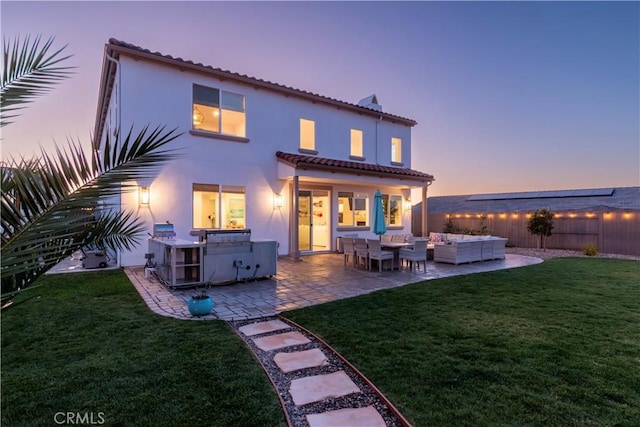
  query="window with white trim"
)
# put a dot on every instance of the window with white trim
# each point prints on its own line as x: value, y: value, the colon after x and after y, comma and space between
x: 218, y: 111
x: 396, y: 150
x: 356, y: 143
x: 307, y: 134
x: 392, y: 208
x: 353, y: 209
x: 219, y: 206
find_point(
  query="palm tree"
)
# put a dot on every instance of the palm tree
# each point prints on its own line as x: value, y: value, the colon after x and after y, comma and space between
x: 54, y: 205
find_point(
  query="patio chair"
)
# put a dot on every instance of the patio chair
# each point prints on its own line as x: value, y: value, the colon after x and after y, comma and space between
x: 385, y: 238
x: 349, y: 250
x: 398, y: 238
x: 417, y: 254
x: 362, y: 251
x: 376, y: 252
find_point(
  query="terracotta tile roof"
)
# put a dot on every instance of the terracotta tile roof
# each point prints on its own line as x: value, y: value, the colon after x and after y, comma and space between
x: 323, y: 163
x: 115, y: 46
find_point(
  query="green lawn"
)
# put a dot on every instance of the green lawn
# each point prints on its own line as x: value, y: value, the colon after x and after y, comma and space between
x: 552, y: 344
x: 86, y: 343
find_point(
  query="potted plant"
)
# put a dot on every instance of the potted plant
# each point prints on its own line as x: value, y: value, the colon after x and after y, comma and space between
x: 200, y: 304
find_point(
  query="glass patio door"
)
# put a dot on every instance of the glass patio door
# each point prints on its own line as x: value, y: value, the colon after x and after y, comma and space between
x: 313, y: 224
x: 304, y: 220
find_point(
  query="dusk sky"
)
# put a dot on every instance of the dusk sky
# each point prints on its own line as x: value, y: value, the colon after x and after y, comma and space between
x: 508, y: 96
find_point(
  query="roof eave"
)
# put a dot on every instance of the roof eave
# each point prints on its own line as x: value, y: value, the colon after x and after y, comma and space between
x: 107, y: 78
x: 312, y: 166
x: 337, y: 169
x: 250, y: 81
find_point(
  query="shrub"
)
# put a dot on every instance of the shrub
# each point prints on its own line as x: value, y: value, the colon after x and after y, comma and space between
x: 540, y: 223
x: 590, y: 249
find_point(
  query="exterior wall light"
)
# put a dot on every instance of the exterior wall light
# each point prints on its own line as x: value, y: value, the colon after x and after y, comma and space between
x: 277, y: 200
x: 144, y: 195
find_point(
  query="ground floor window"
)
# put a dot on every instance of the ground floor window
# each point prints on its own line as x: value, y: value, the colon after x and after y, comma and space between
x: 353, y: 209
x: 392, y: 206
x: 219, y: 206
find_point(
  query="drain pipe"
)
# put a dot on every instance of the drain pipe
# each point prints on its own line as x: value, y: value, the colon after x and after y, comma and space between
x: 377, y: 138
x: 118, y: 91
x: 118, y: 118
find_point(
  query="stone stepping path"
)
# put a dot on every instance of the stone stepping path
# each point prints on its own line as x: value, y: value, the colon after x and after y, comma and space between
x: 320, y: 387
x: 289, y: 362
x: 286, y: 339
x: 316, y: 386
x: 359, y: 417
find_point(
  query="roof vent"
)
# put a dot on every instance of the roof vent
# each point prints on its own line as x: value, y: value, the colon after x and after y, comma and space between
x: 371, y: 102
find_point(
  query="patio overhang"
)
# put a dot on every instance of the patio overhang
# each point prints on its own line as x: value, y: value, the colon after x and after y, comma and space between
x: 298, y: 167
x: 321, y: 169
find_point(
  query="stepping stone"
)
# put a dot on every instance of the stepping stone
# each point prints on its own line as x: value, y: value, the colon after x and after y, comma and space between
x: 289, y: 362
x: 320, y: 387
x: 352, y: 417
x: 280, y: 341
x: 263, y: 327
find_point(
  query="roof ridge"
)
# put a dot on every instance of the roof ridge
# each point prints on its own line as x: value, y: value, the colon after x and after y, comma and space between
x: 120, y: 43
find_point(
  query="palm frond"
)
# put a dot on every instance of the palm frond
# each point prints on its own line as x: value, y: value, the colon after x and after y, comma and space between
x: 29, y: 70
x: 59, y: 204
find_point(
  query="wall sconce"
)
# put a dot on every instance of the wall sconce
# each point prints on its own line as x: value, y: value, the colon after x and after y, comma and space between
x: 277, y: 200
x: 144, y: 195
x: 407, y: 204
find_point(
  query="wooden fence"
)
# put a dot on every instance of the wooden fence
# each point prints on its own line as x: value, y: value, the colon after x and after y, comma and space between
x: 611, y: 232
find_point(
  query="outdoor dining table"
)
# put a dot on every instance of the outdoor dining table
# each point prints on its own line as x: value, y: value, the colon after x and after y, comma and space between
x: 395, y: 248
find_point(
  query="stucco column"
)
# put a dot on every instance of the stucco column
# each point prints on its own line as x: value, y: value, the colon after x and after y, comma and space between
x: 424, y: 211
x: 295, y: 226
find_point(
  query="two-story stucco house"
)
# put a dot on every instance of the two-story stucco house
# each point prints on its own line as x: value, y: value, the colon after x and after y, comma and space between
x: 290, y: 165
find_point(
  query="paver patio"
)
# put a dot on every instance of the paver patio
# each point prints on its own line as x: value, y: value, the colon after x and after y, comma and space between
x: 315, y: 279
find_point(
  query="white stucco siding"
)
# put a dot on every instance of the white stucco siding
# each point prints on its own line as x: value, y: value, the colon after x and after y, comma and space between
x: 163, y: 95
x: 156, y: 94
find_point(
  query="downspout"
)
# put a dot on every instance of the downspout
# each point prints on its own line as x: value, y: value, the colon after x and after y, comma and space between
x: 377, y: 138
x: 118, y: 117
x: 118, y: 98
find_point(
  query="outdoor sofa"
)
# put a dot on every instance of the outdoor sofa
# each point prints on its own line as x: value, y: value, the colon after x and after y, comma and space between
x: 460, y: 248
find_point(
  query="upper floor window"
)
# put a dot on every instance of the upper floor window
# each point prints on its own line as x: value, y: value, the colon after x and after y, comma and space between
x: 396, y: 150
x: 353, y: 209
x: 218, y: 206
x: 356, y: 143
x: 392, y: 207
x: 218, y: 111
x: 307, y: 134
